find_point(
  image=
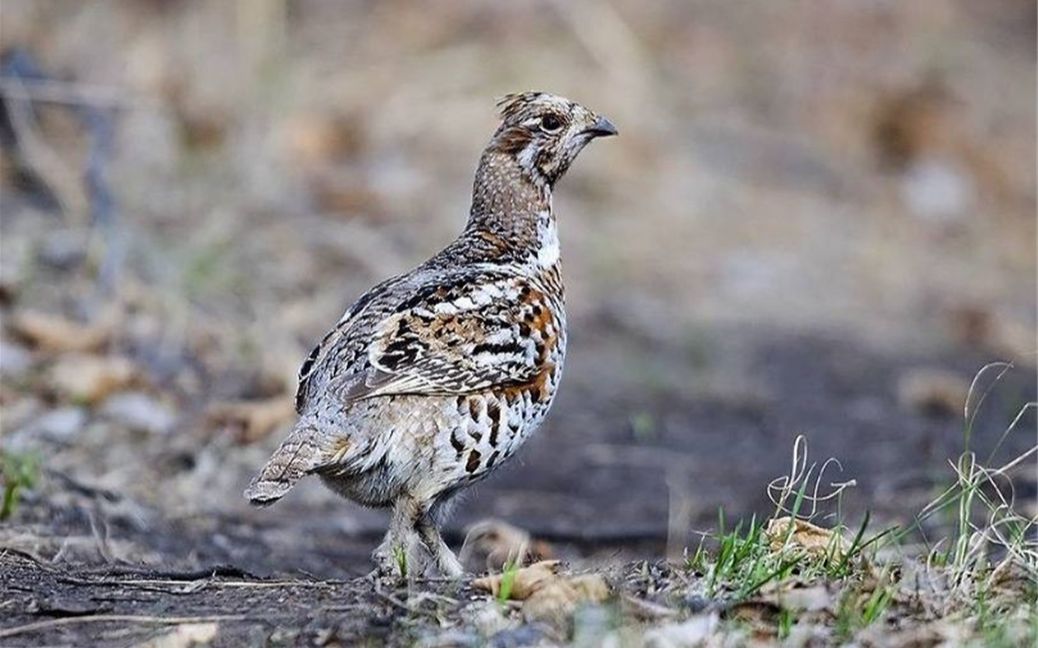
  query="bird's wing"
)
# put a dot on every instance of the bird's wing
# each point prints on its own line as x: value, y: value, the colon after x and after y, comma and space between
x: 458, y: 337
x: 345, y: 345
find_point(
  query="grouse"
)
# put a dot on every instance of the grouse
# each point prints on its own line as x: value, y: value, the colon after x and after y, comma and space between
x: 435, y: 377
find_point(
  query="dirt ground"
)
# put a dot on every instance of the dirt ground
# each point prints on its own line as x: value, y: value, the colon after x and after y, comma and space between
x: 90, y: 565
x: 699, y: 454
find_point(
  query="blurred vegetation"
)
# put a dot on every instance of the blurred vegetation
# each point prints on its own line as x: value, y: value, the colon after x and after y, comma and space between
x: 17, y: 472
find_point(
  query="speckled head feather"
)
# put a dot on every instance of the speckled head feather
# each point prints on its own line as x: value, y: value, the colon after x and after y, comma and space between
x: 546, y: 132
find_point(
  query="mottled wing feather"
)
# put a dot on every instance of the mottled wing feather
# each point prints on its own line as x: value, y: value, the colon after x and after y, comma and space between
x: 336, y: 343
x: 460, y: 338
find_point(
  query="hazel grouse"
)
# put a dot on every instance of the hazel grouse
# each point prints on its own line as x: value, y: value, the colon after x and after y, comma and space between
x: 435, y: 377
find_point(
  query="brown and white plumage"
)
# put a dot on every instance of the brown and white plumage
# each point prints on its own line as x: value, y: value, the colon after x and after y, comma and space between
x: 435, y: 377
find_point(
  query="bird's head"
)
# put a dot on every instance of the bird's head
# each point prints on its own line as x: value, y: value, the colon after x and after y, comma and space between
x: 544, y: 132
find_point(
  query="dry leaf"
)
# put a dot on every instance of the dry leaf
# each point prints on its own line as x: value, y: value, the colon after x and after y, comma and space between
x: 526, y: 581
x: 806, y: 536
x: 546, y: 595
x: 557, y: 600
x: 554, y: 602
x: 88, y: 378
x: 253, y: 419
x: 315, y: 141
x: 55, y: 333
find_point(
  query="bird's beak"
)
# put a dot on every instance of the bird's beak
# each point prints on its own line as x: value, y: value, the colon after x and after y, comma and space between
x: 602, y: 128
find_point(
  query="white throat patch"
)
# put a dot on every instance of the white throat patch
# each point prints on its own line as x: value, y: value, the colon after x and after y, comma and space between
x: 548, y: 241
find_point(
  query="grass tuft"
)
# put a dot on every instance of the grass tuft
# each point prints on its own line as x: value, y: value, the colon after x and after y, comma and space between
x: 982, y: 574
x: 511, y: 568
x: 18, y: 471
x: 400, y: 556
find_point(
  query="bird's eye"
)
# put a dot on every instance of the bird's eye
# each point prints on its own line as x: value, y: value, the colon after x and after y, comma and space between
x: 551, y: 124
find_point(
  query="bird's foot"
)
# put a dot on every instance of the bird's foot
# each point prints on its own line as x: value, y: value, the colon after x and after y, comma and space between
x: 399, y: 559
x: 384, y: 570
x: 448, y: 564
x: 392, y: 562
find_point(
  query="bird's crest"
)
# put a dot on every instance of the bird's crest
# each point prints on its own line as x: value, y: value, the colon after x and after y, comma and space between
x: 512, y: 103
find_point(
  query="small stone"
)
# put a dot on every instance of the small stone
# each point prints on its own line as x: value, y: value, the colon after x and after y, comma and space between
x: 696, y: 603
x: 140, y: 412
x: 814, y: 598
x: 450, y: 639
x: 15, y: 360
x: 59, y: 425
x: 488, y: 618
x: 694, y: 632
x: 591, y: 624
x: 938, y: 190
x: 63, y: 250
x: 18, y: 414
x: 184, y: 636
x: 529, y: 634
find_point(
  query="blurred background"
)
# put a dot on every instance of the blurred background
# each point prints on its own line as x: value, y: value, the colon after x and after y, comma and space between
x: 819, y: 219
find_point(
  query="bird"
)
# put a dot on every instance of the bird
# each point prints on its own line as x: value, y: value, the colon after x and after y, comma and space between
x: 436, y: 377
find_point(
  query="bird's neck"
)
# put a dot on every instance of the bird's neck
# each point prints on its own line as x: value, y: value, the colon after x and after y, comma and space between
x: 511, y: 211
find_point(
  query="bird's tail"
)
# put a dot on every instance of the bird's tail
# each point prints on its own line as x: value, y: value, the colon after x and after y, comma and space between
x: 296, y: 457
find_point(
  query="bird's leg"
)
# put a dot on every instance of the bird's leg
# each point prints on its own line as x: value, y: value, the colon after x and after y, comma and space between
x: 397, y: 555
x: 446, y: 562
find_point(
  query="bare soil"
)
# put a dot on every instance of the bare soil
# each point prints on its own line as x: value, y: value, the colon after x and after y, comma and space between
x: 83, y: 565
